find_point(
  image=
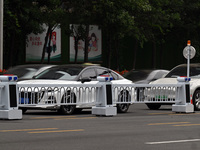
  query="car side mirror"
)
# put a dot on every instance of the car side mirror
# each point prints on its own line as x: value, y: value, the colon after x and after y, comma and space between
x: 86, y: 79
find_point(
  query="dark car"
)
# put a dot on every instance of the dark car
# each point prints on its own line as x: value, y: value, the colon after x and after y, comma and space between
x: 25, y: 72
x: 145, y: 76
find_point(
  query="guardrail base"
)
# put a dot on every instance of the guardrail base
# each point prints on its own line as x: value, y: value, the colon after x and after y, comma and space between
x: 11, y: 114
x: 187, y: 108
x: 104, y: 111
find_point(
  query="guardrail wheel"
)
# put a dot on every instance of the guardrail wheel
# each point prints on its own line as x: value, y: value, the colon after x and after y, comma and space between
x: 153, y: 106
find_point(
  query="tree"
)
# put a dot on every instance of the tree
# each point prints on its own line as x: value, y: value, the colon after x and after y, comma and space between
x: 77, y: 31
x: 163, y: 17
x: 20, y: 19
x: 82, y: 14
x: 120, y: 19
x: 51, y: 14
x: 188, y: 27
x: 144, y: 21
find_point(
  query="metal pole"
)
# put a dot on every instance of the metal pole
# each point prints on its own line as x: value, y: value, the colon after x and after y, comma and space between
x: 188, y: 62
x: 1, y: 34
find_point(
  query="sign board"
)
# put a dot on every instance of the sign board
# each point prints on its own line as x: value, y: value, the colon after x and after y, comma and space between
x: 94, y: 48
x: 35, y: 45
x: 189, y: 52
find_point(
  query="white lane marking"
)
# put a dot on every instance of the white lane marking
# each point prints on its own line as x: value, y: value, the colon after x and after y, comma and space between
x: 177, y: 141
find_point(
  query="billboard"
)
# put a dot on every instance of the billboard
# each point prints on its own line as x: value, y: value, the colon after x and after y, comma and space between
x: 35, y: 45
x: 94, y: 45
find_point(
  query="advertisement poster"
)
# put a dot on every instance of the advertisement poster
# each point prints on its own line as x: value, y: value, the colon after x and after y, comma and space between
x: 94, y: 46
x: 35, y: 45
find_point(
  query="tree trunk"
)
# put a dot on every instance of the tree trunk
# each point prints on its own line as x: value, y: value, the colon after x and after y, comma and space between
x: 76, y: 39
x: 12, y: 50
x: 45, y: 44
x: 109, y: 51
x: 135, y: 54
x: 49, y: 50
x: 117, y: 53
x: 86, y: 44
x: 154, y: 55
x: 161, y: 56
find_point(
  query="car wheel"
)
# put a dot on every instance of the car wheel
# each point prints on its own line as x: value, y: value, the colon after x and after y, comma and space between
x: 153, y: 106
x: 196, y: 100
x: 124, y: 96
x: 67, y: 109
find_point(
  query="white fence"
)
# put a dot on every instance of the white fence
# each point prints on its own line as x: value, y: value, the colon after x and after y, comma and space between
x: 80, y: 94
x: 60, y: 94
x: 146, y: 93
x: 1, y: 87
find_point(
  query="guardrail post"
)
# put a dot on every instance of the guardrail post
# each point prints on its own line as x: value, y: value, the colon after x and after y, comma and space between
x: 9, y: 98
x: 104, y: 105
x: 183, y: 97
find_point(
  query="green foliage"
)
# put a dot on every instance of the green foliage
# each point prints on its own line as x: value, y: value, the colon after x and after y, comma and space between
x: 154, y: 21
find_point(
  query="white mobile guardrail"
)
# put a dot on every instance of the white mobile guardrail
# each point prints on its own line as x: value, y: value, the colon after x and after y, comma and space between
x: 146, y: 93
x: 9, y: 98
x: 103, y: 94
x: 1, y: 87
x: 57, y: 94
x: 78, y: 94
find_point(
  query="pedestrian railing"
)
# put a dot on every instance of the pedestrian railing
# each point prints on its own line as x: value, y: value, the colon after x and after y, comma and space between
x: 103, y: 95
x: 57, y: 94
x: 145, y: 93
x: 1, y: 103
x: 77, y: 94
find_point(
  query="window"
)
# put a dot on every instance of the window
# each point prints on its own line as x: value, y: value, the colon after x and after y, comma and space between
x: 101, y: 71
x: 90, y: 73
x: 115, y: 76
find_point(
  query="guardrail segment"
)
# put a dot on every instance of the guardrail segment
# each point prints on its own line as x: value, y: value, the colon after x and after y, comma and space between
x: 59, y: 94
x: 52, y: 94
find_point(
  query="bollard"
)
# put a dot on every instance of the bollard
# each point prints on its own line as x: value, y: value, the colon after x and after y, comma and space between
x: 9, y: 98
x: 183, y: 103
x: 104, y: 105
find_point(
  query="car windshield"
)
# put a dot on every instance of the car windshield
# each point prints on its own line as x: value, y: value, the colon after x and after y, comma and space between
x: 182, y: 71
x: 137, y: 75
x: 63, y: 73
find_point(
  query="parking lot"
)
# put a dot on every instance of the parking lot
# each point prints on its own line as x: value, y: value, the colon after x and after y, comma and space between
x: 140, y: 128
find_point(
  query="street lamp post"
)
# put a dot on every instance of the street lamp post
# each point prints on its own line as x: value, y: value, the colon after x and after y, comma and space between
x: 1, y: 34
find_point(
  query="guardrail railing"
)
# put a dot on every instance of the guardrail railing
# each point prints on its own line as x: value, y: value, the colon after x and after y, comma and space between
x: 145, y: 93
x: 1, y: 87
x: 80, y: 94
x: 60, y: 94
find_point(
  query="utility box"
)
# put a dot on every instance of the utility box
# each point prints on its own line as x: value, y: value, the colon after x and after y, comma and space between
x: 9, y: 98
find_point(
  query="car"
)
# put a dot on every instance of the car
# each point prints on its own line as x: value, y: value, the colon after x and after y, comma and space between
x: 181, y: 70
x: 145, y: 76
x: 72, y: 74
x: 27, y: 71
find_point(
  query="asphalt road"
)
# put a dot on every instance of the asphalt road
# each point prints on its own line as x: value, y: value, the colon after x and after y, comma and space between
x: 139, y: 129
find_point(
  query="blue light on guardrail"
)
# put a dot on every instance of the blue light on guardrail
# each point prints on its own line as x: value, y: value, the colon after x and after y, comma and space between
x: 9, y: 78
x: 6, y: 78
x: 15, y: 78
